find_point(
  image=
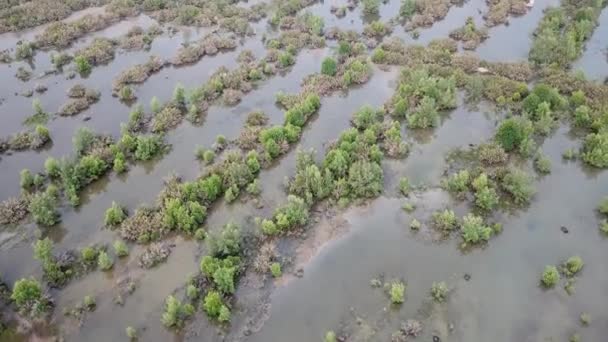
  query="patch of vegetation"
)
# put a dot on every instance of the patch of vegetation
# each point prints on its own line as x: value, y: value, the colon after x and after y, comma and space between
x: 561, y: 34
x: 43, y: 207
x: 499, y: 10
x: 421, y: 96
x: 515, y: 134
x: 439, y: 291
x: 176, y: 314
x: 519, y: 185
x: 550, y: 276
x: 397, y: 292
x: 445, y: 220
x: 470, y: 35
x: 114, y: 215
x: 29, y: 299
x: 474, y: 230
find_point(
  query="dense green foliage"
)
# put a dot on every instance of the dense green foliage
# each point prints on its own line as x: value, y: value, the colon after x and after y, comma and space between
x: 114, y: 215
x: 550, y: 276
x: 397, y: 292
x: 515, y: 134
x: 176, y: 313
x: 420, y: 97
x: 43, y: 207
x: 329, y: 66
x: 27, y: 296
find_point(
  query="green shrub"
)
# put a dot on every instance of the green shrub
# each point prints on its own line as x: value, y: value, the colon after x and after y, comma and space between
x: 439, y: 291
x: 573, y: 265
x: 329, y: 67
x: 119, y: 163
x: 24, y: 50
x: 176, y: 313
x: 26, y: 180
x: 52, y: 167
x: 126, y: 94
x: 89, y: 255
x: 192, y: 292
x: 275, y: 269
x: 42, y: 207
x: 603, y: 206
x: 404, y: 186
x: 225, y: 243
x: 365, y: 179
x: 514, y: 133
x: 330, y: 336
x: 415, y: 224
x: 83, y: 67
x: 89, y: 303
x: 425, y: 115
x: 550, y: 276
x: 120, y: 248
x: 200, y: 234
x: 407, y: 9
x: 519, y: 185
x: 179, y: 95
x: 215, y: 307
x: 595, y: 149
x: 114, y: 215
x: 155, y: 105
x: 366, y: 117
x: 147, y: 147
x: 445, y: 220
x: 474, y: 230
x: 397, y: 292
x: 83, y: 140
x: 486, y: 198
x: 27, y: 296
x: 294, y: 213
x: 371, y: 6
x: 585, y: 319
x: 104, y: 261
x: 186, y: 217
x: 206, y: 155
x: 458, y: 182
x: 542, y: 164
x: 286, y: 59
x: 131, y: 333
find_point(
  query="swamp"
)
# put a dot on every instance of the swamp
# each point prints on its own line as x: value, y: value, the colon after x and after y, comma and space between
x: 303, y: 170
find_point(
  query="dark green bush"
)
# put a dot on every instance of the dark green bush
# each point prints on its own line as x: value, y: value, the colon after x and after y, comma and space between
x: 329, y: 66
x: 176, y: 314
x: 514, y: 134
x: 114, y: 215
x: 43, y: 208
x: 595, y: 149
x: 225, y: 243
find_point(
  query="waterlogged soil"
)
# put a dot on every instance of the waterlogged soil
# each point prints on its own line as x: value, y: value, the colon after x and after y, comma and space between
x: 344, y: 248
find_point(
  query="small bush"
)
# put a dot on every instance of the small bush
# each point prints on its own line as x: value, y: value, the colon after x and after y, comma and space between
x: 26, y: 180
x: 439, y: 291
x: 550, y: 276
x: 330, y: 336
x: 119, y: 163
x: 585, y: 319
x: 89, y: 255
x: 404, y: 186
x: 275, y: 269
x: 214, y: 306
x: 83, y: 67
x: 603, y: 206
x: 121, y: 249
x: 519, y: 185
x: 573, y: 265
x: 27, y: 296
x: 52, y: 168
x: 445, y: 220
x: 176, y: 313
x: 104, y: 261
x: 329, y: 67
x: 514, y: 133
x: 286, y: 59
x: 458, y: 182
x: 114, y: 215
x: 371, y: 6
x: 542, y: 164
x: 415, y: 224
x: 225, y: 243
x: 42, y: 207
x: 473, y: 229
x: 131, y: 333
x: 397, y: 292
x: 595, y: 150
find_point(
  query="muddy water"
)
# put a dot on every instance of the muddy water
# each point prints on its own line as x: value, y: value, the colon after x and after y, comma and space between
x: 350, y: 249
x: 505, y: 275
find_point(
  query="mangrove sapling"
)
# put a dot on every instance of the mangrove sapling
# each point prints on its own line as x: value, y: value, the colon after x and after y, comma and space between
x: 330, y: 336
x: 28, y: 297
x: 404, y: 186
x: 275, y: 269
x: 542, y: 164
x: 397, y: 292
x: 415, y: 224
x: 603, y: 206
x: 131, y: 333
x: 114, y: 215
x: 89, y: 255
x: 104, y: 261
x: 457, y: 183
x: 572, y: 266
x: 120, y: 249
x: 445, y: 220
x: 215, y: 307
x: 595, y: 149
x: 439, y: 291
x: 42, y: 207
x: 176, y: 314
x: 519, y: 185
x: 474, y: 230
x: 329, y: 67
x: 550, y: 276
x: 585, y: 319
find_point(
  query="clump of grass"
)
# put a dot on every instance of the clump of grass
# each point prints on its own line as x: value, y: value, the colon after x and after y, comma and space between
x: 404, y: 186
x: 585, y: 319
x: 445, y: 220
x: 275, y: 269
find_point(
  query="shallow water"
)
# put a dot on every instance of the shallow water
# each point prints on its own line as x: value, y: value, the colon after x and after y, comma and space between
x: 501, y: 302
